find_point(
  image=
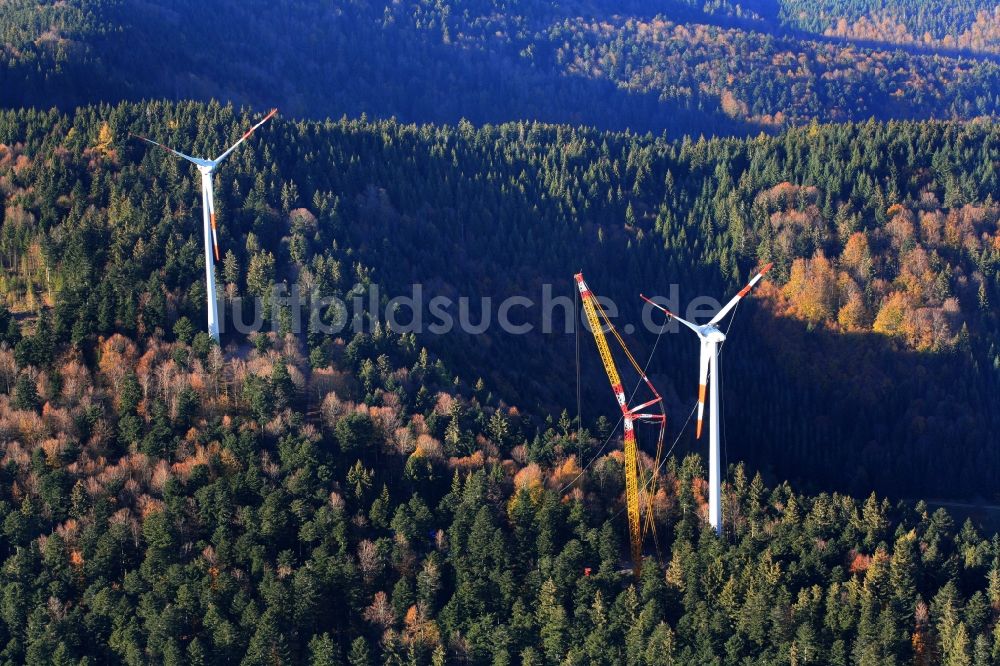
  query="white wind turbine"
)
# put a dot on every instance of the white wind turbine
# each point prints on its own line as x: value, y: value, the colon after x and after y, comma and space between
x: 207, y: 168
x: 711, y: 337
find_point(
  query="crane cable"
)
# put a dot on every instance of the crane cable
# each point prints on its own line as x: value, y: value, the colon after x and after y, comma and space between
x: 642, y: 373
x: 672, y: 446
x: 691, y: 413
x: 648, y: 488
x: 576, y: 328
x: 659, y: 462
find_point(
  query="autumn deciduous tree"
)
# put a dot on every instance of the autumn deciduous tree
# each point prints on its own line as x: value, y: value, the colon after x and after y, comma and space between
x: 853, y: 314
x: 812, y: 289
x: 857, y: 257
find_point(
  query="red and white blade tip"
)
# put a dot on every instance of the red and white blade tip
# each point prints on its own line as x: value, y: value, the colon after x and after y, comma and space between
x: 157, y: 144
x: 656, y: 305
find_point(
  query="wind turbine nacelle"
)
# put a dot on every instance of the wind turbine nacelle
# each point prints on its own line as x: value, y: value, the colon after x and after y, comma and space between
x: 711, y: 333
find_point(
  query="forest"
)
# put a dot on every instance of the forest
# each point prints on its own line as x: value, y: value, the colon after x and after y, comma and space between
x: 879, y: 316
x: 162, y: 503
x: 341, y: 490
x: 673, y: 66
x: 387, y: 498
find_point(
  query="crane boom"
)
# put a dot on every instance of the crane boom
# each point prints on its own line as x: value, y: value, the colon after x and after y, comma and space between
x: 629, y: 416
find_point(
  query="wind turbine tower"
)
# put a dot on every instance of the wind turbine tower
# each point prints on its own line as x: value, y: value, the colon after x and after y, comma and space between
x: 207, y: 168
x: 711, y: 339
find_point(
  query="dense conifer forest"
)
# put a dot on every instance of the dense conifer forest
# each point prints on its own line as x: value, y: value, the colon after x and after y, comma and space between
x: 374, y: 495
x: 665, y: 65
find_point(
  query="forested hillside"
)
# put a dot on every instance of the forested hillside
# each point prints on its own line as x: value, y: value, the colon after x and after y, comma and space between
x: 163, y: 504
x: 668, y: 65
x: 873, y: 349
x: 363, y: 499
x: 380, y: 496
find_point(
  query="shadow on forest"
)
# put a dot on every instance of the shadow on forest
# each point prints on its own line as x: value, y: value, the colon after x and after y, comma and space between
x: 827, y: 411
x: 383, y: 72
x: 401, y: 73
x: 856, y: 412
x: 770, y: 10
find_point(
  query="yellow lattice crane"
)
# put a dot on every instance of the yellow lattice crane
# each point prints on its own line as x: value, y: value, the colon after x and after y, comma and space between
x: 598, y: 319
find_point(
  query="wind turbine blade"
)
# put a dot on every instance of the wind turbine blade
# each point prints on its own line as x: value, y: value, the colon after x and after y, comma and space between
x: 706, y: 356
x: 244, y: 137
x: 670, y: 314
x: 743, y: 292
x: 192, y: 160
x: 210, y: 192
